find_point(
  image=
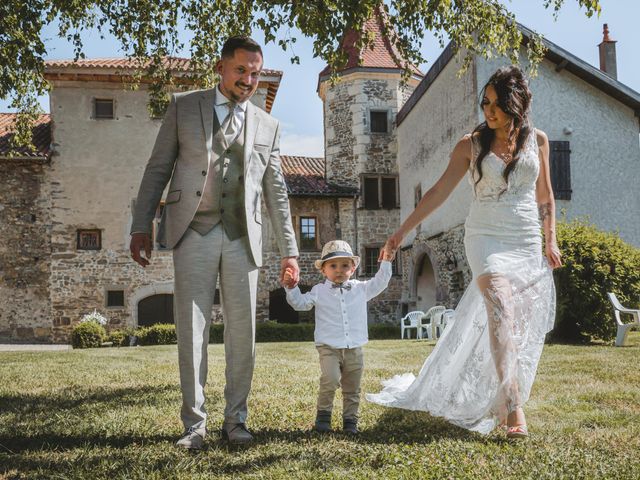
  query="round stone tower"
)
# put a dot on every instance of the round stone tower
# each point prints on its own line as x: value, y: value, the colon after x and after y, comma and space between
x: 361, y: 147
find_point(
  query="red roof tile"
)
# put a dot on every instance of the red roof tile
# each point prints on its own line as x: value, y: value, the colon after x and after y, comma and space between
x: 173, y: 63
x: 305, y: 176
x: 381, y: 54
x: 41, y: 137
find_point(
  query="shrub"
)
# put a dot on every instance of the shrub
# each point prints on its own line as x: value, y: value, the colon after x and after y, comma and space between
x: 299, y: 332
x: 270, y: 332
x: 595, y: 262
x: 159, y: 334
x: 284, y: 332
x: 87, y: 334
x: 120, y: 338
x: 384, y: 331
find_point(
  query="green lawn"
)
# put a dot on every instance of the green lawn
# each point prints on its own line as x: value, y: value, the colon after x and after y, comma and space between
x: 113, y: 413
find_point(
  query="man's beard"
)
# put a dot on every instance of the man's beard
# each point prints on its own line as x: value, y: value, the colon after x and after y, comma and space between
x: 236, y: 98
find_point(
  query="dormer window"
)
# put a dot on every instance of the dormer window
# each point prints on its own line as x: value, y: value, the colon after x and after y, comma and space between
x: 103, y: 108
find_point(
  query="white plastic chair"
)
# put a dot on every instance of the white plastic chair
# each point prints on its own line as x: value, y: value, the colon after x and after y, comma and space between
x: 623, y: 328
x: 429, y: 322
x: 411, y: 320
x: 448, y: 317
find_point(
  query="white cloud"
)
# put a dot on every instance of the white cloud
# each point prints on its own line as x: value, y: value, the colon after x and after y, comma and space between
x: 302, y: 145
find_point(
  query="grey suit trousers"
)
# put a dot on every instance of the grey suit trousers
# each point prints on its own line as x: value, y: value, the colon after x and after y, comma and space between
x: 198, y: 261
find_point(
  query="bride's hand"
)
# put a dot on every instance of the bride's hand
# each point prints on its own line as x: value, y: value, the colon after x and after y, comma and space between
x: 392, y: 245
x: 553, y: 255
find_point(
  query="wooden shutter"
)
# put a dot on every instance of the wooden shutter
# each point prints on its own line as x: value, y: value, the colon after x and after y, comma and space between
x: 370, y: 193
x: 389, y: 195
x: 560, y: 166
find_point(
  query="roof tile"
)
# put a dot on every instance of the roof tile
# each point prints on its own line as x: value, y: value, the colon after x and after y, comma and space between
x: 305, y: 177
x: 173, y: 63
x: 381, y: 54
x: 41, y: 137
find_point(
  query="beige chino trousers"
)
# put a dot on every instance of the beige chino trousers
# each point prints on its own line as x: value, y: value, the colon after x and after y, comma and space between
x: 340, y: 367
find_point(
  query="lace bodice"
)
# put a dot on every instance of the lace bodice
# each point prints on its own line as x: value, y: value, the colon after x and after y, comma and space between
x: 522, y: 180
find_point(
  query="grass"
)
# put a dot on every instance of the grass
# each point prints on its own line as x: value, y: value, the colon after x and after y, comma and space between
x: 113, y: 413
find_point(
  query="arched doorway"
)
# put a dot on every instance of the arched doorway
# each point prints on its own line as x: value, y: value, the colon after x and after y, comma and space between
x: 155, y: 309
x: 425, y: 284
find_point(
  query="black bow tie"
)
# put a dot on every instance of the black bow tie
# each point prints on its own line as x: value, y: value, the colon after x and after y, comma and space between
x: 341, y: 286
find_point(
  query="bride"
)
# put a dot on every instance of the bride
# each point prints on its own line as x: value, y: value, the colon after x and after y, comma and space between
x: 480, y: 373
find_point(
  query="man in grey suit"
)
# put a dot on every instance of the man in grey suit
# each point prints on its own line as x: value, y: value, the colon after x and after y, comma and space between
x: 221, y: 154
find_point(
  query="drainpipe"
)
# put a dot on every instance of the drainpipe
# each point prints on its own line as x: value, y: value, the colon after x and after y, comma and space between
x: 355, y: 222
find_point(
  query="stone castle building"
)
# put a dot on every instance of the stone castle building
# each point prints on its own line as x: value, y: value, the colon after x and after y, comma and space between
x: 65, y: 209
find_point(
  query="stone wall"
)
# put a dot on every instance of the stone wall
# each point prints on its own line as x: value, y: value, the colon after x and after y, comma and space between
x: 339, y: 134
x: 452, y: 272
x: 25, y: 309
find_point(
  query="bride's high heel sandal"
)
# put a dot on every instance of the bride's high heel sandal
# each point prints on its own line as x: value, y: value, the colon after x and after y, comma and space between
x: 517, y: 431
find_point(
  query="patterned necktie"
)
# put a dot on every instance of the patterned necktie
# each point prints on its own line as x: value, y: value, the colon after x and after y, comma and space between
x: 230, y: 126
x: 341, y: 286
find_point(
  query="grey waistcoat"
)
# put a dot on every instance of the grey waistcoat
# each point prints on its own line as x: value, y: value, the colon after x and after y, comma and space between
x: 223, y: 195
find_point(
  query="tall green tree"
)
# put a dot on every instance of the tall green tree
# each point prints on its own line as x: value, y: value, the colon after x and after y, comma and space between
x: 150, y: 29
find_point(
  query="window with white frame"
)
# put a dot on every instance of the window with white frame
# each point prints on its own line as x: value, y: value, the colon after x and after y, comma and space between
x: 308, y: 233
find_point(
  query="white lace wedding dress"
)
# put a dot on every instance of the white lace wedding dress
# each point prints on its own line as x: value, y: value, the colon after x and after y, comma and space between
x: 484, y: 364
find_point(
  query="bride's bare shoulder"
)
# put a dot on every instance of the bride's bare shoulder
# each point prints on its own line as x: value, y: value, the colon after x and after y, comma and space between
x: 464, y: 148
x: 541, y: 137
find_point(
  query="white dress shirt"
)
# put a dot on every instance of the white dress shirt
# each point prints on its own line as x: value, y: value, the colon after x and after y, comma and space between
x: 220, y: 106
x: 341, y: 315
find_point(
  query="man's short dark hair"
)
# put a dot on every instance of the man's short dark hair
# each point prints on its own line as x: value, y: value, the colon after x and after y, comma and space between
x: 239, y: 41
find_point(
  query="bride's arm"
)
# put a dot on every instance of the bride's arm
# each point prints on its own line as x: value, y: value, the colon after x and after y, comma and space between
x: 436, y: 195
x: 546, y: 202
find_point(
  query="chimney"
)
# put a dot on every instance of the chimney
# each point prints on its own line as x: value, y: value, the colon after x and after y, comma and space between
x: 607, y: 49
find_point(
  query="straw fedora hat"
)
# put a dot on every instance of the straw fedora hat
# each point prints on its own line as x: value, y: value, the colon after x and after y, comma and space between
x: 336, y: 249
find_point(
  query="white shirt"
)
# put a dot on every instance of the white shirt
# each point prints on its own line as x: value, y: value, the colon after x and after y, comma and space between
x: 341, y: 315
x: 221, y: 109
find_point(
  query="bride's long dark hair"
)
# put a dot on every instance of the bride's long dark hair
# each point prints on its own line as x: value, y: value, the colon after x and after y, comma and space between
x: 514, y: 98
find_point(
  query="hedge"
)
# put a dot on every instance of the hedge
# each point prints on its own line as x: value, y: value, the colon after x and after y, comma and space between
x: 595, y: 262
x: 159, y: 334
x: 87, y: 335
x: 165, y: 334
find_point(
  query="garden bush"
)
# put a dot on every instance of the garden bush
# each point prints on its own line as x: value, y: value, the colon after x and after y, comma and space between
x: 165, y: 334
x: 299, y: 332
x: 87, y: 335
x: 384, y: 331
x: 271, y: 332
x: 120, y: 338
x: 595, y: 262
x: 159, y: 334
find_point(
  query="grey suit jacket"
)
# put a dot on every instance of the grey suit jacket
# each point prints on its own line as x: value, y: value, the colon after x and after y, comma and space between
x: 182, y: 154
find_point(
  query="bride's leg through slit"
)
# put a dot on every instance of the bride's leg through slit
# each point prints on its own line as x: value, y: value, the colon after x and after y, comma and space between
x: 497, y: 293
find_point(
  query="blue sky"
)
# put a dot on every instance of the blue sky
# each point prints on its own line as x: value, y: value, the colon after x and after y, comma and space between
x: 297, y: 104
